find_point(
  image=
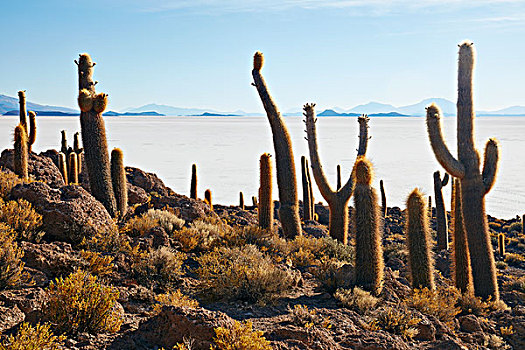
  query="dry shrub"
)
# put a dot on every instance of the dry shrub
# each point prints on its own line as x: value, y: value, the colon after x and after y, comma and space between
x: 166, y: 219
x: 356, y: 299
x: 157, y: 268
x: 441, y: 303
x: 8, y: 180
x: 107, y: 242
x: 38, y: 337
x: 96, y: 263
x: 397, y: 320
x: 302, y: 316
x: 470, y: 304
x: 240, y: 337
x: 514, y: 259
x: 21, y: 216
x: 202, y: 235
x: 241, y: 273
x: 11, y: 267
x: 332, y: 274
x: 80, y: 303
x: 175, y: 298
x: 139, y: 225
x: 253, y: 235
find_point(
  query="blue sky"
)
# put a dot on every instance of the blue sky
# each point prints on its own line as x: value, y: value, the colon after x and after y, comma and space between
x: 198, y: 53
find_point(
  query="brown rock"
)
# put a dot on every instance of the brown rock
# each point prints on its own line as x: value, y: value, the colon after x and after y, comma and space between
x: 10, y: 317
x: 40, y: 167
x: 426, y: 331
x: 185, y: 208
x: 136, y: 195
x: 147, y: 181
x: 469, y: 323
x: 69, y: 213
x: 54, y: 259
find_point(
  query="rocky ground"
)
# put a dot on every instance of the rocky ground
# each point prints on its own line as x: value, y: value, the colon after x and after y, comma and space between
x: 292, y: 292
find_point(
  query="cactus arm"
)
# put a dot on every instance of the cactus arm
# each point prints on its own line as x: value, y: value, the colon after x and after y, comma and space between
x: 441, y: 151
x: 85, y: 73
x: 490, y: 164
x: 317, y: 168
x: 444, y: 182
x: 363, y: 134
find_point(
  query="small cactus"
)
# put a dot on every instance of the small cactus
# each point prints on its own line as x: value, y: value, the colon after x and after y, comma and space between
x: 523, y: 225
x: 241, y: 200
x: 32, y: 131
x: 419, y: 243
x: 62, y: 166
x: 363, y: 134
x: 338, y: 177
x: 441, y: 214
x: 22, y: 110
x: 20, y: 153
x: 63, y: 142
x: 207, y: 198
x: 384, y: 208
x: 265, y: 210
x: 120, y: 184
x: 78, y: 150
x: 501, y: 245
x: 254, y: 201
x: 307, y: 202
x: 367, y: 222
x: 73, y: 169
x: 193, y: 185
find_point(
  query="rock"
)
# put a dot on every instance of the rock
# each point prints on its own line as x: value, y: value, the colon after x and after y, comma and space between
x: 27, y: 302
x: 136, y: 195
x: 315, y: 229
x: 147, y: 181
x: 40, y: 167
x: 185, y: 208
x: 69, y: 213
x: 159, y: 237
x: 426, y: 331
x: 173, y: 324
x: 448, y: 343
x: 10, y: 317
x: 54, y: 259
x: 469, y: 323
x: 235, y: 216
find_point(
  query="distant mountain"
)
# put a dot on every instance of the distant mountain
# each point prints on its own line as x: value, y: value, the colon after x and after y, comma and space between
x: 169, y: 110
x: 8, y: 103
x: 332, y: 113
x: 45, y: 113
x: 373, y: 107
x: 447, y: 107
x: 514, y: 110
x: 117, y: 114
x: 206, y: 114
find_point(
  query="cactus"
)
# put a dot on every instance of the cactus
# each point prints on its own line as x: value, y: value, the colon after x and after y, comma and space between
x: 254, y: 201
x: 474, y: 184
x: 193, y: 185
x: 241, y: 200
x: 418, y: 242
x: 286, y: 179
x: 78, y: 150
x: 265, y: 211
x: 119, y: 181
x: 430, y: 213
x: 207, y: 198
x: 312, y: 200
x: 307, y: 202
x: 338, y: 177
x: 22, y: 109
x: 85, y: 100
x: 63, y: 142
x: 94, y: 140
x: 20, y: 153
x: 363, y: 134
x: 73, y: 169
x: 523, y: 225
x: 32, y: 131
x: 501, y: 245
x: 384, y: 208
x: 337, y: 200
x: 62, y: 166
x: 367, y: 222
x: 441, y: 214
x: 462, y: 272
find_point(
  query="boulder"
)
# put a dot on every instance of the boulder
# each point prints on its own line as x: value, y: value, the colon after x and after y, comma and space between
x: 136, y: 195
x: 69, y: 213
x: 40, y: 167
x: 149, y: 182
x: 469, y: 323
x: 54, y: 259
x: 182, y: 206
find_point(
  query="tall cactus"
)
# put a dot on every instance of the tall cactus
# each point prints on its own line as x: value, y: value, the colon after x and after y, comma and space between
x: 207, y: 198
x: 367, y: 219
x: 118, y: 178
x: 307, y: 202
x: 63, y: 142
x: 32, y: 131
x: 265, y: 210
x: 363, y: 134
x: 462, y: 272
x: 62, y: 165
x: 241, y: 200
x: 78, y: 150
x: 73, y: 169
x: 338, y: 177
x: 441, y: 214
x: 384, y: 208
x: 337, y: 200
x: 193, y: 185
x: 94, y: 136
x: 20, y: 153
x: 22, y: 109
x: 419, y: 243
x: 311, y: 189
x: 286, y: 179
x: 475, y: 184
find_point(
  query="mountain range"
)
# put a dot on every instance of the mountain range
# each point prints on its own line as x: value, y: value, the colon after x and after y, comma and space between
x: 10, y: 104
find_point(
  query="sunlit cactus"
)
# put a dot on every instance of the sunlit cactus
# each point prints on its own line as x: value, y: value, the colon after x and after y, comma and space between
x: 363, y: 134
x: 419, y: 242
x: 32, y: 131
x: 337, y: 200
x: 430, y: 214
x: 193, y: 184
x: 94, y: 139
x: 475, y: 184
x: 207, y: 198
x: 22, y: 109
x: 265, y: 210
x: 62, y: 166
x: 73, y: 169
x: 100, y: 101
x: 501, y: 245
x: 286, y: 178
x: 384, y: 208
x: 441, y: 214
x: 241, y: 200
x: 20, y: 153
x: 85, y: 100
x: 367, y: 222
x: 118, y: 178
x: 254, y: 201
x: 307, y: 201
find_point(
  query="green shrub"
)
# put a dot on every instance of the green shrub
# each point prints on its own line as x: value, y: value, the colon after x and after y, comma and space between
x: 240, y: 337
x: 514, y: 259
x: 139, y: 225
x: 356, y: 299
x: 332, y: 274
x: 11, y: 267
x: 28, y: 337
x: 80, y: 303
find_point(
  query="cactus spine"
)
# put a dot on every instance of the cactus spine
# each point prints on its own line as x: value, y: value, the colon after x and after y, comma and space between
x: 441, y: 214
x: 384, y: 208
x: 307, y: 202
x: 32, y: 131
x: 461, y: 258
x: 337, y: 200
x: 193, y: 185
x: 474, y: 184
x: 62, y: 165
x: 119, y: 181
x: 501, y: 245
x: 286, y: 179
x: 20, y: 153
x: 265, y: 211
x: 367, y: 219
x: 241, y: 200
x: 73, y: 169
x: 22, y: 109
x: 207, y: 198
x: 418, y: 241
x: 363, y: 134
x: 94, y: 140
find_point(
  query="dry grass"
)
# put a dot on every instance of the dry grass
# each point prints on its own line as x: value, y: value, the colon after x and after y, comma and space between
x: 33, y: 338
x: 356, y: 299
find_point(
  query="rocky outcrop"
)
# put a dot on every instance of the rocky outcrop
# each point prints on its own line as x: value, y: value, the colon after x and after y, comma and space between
x: 69, y: 213
x: 40, y: 167
x: 54, y: 259
x: 182, y: 206
x: 136, y: 195
x: 149, y: 182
